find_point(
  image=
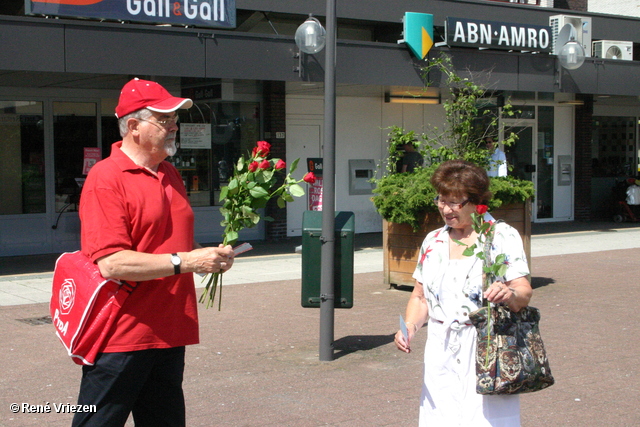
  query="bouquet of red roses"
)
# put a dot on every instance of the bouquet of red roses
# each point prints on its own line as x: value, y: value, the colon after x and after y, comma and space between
x: 252, y: 185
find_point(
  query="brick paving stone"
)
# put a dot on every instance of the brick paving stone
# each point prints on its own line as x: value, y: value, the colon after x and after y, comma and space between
x: 257, y: 363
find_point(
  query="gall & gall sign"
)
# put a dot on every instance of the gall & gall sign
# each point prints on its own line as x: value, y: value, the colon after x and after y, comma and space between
x: 201, y: 13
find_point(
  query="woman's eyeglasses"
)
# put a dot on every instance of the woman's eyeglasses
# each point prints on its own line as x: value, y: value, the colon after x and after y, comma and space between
x: 452, y: 205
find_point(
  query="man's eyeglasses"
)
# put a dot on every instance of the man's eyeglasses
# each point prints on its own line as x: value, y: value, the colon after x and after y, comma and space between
x: 452, y: 205
x: 163, y: 122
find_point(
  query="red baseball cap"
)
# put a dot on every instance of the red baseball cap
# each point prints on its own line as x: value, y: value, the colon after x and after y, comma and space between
x: 139, y: 94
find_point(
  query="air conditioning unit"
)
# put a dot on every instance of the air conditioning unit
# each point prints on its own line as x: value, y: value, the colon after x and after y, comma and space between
x: 582, y: 26
x: 613, y: 49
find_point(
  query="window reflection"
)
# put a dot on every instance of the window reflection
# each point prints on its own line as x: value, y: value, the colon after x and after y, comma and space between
x: 613, y: 150
x: 545, y: 165
x: 74, y: 129
x: 22, y: 166
x: 212, y: 137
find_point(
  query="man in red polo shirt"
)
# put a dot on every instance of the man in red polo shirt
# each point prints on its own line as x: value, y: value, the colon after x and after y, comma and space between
x: 137, y: 225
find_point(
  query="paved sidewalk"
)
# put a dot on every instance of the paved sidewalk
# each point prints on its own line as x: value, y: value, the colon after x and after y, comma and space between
x: 28, y: 282
x: 257, y: 363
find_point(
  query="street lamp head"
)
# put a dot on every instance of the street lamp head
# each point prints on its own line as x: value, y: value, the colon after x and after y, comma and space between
x: 310, y: 36
x: 571, y: 55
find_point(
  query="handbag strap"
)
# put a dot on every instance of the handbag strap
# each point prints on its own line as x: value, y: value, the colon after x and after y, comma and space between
x: 127, y: 286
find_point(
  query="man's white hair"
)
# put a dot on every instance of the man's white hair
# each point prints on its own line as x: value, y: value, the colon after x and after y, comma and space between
x: 142, y: 114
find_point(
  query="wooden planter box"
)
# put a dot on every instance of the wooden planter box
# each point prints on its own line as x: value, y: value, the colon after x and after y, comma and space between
x: 401, y: 244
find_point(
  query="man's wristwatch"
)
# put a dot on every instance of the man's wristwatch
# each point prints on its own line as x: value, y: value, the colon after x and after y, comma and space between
x: 176, y: 261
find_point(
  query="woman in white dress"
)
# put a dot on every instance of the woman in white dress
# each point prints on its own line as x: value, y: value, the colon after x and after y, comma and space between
x: 448, y: 287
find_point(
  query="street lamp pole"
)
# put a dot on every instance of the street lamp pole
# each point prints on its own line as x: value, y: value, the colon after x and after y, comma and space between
x: 327, y: 292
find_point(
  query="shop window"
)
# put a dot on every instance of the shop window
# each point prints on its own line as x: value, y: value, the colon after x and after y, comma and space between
x: 212, y: 137
x: 519, y: 95
x: 75, y: 150
x: 614, y: 151
x: 522, y: 112
x: 22, y: 165
x: 110, y: 133
x: 546, y: 96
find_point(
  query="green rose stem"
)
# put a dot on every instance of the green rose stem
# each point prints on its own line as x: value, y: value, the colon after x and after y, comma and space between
x: 488, y: 280
x: 490, y: 269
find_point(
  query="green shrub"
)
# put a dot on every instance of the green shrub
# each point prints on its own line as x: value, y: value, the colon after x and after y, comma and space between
x: 406, y: 198
x: 508, y: 189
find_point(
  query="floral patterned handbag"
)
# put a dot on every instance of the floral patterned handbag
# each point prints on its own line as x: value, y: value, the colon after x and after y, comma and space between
x: 510, y: 355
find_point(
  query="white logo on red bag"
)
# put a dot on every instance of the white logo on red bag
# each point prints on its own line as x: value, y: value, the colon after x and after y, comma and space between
x: 67, y: 296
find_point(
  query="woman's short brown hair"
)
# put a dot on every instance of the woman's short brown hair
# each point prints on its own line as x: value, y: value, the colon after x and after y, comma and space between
x: 462, y: 179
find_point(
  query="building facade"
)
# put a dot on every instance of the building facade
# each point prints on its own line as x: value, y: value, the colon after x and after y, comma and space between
x: 60, y: 79
x: 628, y: 8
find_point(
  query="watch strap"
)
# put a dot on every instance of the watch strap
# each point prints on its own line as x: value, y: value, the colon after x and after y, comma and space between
x: 176, y: 267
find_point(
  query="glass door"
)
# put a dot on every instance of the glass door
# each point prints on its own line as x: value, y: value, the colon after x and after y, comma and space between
x: 523, y: 158
x: 532, y: 159
x: 544, y: 153
x: 23, y: 169
x: 22, y: 166
x: 519, y: 155
x: 47, y: 147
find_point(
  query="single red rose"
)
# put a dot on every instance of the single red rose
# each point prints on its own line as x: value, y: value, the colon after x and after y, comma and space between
x: 309, y: 178
x: 262, y: 149
x: 253, y: 166
x: 264, y: 164
x: 280, y: 164
x: 482, y: 209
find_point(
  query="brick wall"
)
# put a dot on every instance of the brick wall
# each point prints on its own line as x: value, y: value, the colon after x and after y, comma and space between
x: 577, y: 5
x: 274, y: 122
x: 615, y: 7
x: 583, y: 168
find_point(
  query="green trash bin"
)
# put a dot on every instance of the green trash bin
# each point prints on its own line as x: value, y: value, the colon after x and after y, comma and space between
x: 343, y: 258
